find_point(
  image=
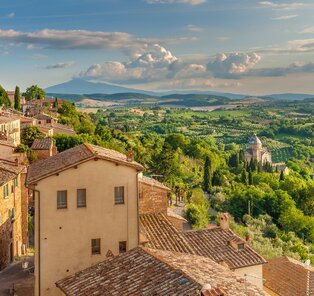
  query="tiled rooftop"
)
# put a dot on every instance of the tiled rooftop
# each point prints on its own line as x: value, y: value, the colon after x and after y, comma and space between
x: 153, y: 182
x: 42, y: 144
x: 154, y: 272
x: 215, y: 244
x: 9, y: 171
x: 162, y: 235
x: 72, y: 157
x: 288, y: 277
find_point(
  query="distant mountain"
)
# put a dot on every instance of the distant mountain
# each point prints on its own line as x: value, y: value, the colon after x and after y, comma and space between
x: 80, y: 87
x: 290, y: 96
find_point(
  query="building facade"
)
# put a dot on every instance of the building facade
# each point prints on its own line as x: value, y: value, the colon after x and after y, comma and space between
x: 86, y: 211
x: 10, y: 128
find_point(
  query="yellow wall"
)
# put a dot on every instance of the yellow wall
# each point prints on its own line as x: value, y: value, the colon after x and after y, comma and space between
x: 254, y: 274
x: 65, y: 234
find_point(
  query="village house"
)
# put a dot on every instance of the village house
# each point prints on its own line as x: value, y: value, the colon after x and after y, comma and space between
x: 10, y: 127
x: 285, y: 276
x: 13, y: 212
x: 11, y: 94
x: 144, y: 271
x: 44, y: 148
x: 86, y: 209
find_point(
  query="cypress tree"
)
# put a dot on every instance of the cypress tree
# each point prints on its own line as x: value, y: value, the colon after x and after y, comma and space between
x: 282, y: 176
x: 207, y: 177
x: 244, y: 177
x: 250, y: 178
x: 17, y: 99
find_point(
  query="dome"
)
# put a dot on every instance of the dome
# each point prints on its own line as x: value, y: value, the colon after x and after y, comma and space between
x: 255, y: 140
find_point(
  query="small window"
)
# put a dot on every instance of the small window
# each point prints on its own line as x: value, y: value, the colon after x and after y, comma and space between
x: 96, y: 246
x: 81, y: 198
x: 62, y: 199
x: 122, y: 247
x: 5, y: 191
x: 119, y: 195
x: 16, y: 182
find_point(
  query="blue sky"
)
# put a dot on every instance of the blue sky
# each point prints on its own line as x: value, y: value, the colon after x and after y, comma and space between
x: 244, y: 46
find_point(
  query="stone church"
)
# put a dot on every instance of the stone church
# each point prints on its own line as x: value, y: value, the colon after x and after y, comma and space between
x: 256, y: 151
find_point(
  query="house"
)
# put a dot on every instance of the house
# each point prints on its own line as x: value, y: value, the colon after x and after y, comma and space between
x: 13, y: 212
x: 44, y: 119
x: 285, y: 276
x: 11, y: 97
x: 86, y: 209
x: 144, y: 271
x: 219, y: 244
x: 44, y: 148
x: 10, y: 127
x: 257, y: 152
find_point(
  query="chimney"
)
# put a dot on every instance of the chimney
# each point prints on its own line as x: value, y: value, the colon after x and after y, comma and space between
x: 16, y: 162
x: 130, y: 156
x: 224, y: 221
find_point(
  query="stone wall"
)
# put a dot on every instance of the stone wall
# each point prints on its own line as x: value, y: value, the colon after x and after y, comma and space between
x: 152, y: 199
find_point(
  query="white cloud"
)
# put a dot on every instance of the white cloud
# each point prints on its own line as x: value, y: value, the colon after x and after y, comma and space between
x: 232, y: 65
x: 285, y: 17
x: 11, y: 15
x: 194, y: 28
x: 281, y: 6
x: 60, y: 65
x: 308, y: 30
x: 191, y: 2
x: 39, y: 56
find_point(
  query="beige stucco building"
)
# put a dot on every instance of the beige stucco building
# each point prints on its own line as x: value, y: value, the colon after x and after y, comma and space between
x: 257, y: 152
x: 86, y: 210
x: 10, y: 128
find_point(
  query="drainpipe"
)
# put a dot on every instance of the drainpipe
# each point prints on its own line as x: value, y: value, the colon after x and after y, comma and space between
x: 138, y: 211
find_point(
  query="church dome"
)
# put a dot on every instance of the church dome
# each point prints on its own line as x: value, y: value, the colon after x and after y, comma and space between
x: 255, y: 140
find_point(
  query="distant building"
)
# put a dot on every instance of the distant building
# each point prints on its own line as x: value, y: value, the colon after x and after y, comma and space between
x: 285, y: 276
x: 144, y: 271
x: 44, y: 148
x: 257, y: 152
x: 13, y: 211
x: 86, y: 203
x: 10, y: 127
x: 11, y: 97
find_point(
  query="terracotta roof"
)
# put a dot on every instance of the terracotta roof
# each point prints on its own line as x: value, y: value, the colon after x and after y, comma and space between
x: 153, y: 182
x: 71, y: 157
x: 42, y: 144
x: 288, y: 277
x: 8, y: 117
x: 161, y: 234
x: 8, y: 143
x: 216, y: 243
x: 151, y: 272
x: 171, y: 213
x: 43, y: 116
x: 9, y: 171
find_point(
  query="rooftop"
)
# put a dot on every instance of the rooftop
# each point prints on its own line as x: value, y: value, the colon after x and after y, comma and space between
x: 216, y: 243
x: 9, y: 171
x: 42, y: 144
x: 162, y: 235
x: 288, y: 277
x: 153, y: 182
x: 144, y: 271
x: 71, y: 157
x: 254, y: 140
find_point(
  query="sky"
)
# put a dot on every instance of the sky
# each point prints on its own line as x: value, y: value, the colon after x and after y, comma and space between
x: 244, y: 46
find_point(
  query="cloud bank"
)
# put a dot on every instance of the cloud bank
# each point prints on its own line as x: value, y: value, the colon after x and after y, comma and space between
x: 191, y: 2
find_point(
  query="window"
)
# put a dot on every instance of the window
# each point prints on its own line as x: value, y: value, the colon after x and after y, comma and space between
x: 16, y: 182
x: 96, y: 246
x: 81, y: 198
x: 119, y: 195
x: 5, y: 191
x: 62, y: 199
x: 122, y: 247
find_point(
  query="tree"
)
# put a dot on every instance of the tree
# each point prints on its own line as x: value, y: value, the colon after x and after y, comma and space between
x: 29, y: 134
x: 207, y: 174
x: 250, y: 178
x: 55, y: 104
x: 244, y: 179
x: 4, y: 99
x: 34, y: 93
x: 17, y: 99
x: 282, y: 176
x: 217, y: 179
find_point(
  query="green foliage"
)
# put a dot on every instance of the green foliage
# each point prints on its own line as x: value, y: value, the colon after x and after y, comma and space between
x: 29, y: 134
x: 4, y: 99
x: 207, y: 174
x: 34, y: 93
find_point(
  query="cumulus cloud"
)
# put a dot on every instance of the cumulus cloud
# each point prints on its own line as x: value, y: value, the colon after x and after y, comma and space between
x: 11, y: 15
x: 281, y: 6
x: 284, y: 17
x: 39, y: 56
x: 191, y: 2
x: 194, y: 28
x: 60, y: 65
x: 233, y: 65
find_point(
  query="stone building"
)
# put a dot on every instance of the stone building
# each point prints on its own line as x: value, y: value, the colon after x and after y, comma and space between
x: 257, y: 152
x: 10, y: 128
x: 13, y: 204
x: 44, y: 148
